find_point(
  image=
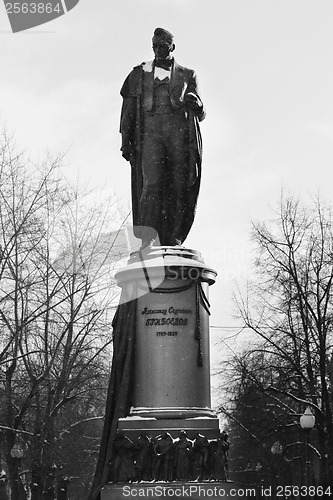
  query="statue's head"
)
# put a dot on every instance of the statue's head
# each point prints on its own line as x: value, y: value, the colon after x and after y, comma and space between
x: 162, y: 44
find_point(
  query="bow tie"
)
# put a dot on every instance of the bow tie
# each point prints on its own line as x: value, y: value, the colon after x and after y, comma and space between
x: 163, y: 64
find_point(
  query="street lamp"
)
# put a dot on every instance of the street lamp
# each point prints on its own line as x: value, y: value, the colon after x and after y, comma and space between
x: 277, y: 450
x: 307, y: 422
x: 17, y: 453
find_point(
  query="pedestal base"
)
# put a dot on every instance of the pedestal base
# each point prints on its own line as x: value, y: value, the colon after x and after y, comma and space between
x: 172, y: 412
x: 133, y: 427
x: 194, y: 490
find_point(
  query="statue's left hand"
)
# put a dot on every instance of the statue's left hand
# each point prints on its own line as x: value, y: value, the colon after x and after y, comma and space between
x: 193, y: 101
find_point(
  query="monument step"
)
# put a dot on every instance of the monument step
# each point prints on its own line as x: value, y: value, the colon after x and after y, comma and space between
x: 133, y: 427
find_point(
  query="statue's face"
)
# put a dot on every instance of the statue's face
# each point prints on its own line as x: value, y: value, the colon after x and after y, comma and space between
x: 162, y: 49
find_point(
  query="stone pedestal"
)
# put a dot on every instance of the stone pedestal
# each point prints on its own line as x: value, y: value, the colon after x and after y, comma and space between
x: 171, y: 394
x: 172, y: 368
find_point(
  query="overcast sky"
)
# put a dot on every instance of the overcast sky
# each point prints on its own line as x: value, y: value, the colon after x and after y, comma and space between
x: 265, y: 74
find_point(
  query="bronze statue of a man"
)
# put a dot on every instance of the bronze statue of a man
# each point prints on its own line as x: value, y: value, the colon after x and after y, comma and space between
x: 161, y: 138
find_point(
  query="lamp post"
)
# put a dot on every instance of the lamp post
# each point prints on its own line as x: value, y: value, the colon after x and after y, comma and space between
x: 277, y: 450
x: 307, y: 422
x: 17, y: 454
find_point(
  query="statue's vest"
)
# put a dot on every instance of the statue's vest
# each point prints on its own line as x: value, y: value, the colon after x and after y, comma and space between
x: 177, y: 86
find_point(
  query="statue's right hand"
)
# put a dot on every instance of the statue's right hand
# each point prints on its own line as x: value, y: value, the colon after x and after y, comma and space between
x: 127, y: 152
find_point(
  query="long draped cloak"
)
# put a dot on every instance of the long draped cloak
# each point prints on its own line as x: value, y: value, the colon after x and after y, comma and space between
x: 131, y: 128
x: 119, y: 397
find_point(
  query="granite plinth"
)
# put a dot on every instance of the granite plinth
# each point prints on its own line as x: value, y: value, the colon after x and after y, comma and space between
x: 156, y: 262
x: 172, y: 367
x: 170, y: 421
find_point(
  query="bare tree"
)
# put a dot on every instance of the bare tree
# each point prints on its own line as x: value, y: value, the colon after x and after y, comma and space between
x: 57, y: 257
x: 289, y: 306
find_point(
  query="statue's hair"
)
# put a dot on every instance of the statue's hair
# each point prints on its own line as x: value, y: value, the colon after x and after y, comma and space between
x: 162, y: 33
